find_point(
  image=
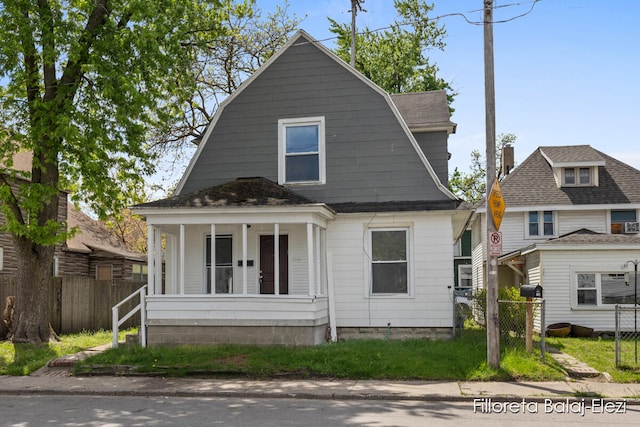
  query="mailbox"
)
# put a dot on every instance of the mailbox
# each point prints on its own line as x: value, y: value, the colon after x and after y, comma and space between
x: 531, y: 291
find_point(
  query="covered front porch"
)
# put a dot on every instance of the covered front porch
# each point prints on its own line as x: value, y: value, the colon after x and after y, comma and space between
x: 249, y: 274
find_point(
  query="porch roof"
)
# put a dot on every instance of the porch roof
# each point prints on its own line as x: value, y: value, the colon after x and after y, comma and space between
x: 242, y: 192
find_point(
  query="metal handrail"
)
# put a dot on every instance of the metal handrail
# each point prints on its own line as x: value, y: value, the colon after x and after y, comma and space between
x: 143, y: 316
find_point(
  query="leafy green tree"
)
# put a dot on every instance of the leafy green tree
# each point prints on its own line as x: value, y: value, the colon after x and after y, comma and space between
x: 396, y: 59
x: 249, y: 40
x: 81, y: 83
x: 472, y: 186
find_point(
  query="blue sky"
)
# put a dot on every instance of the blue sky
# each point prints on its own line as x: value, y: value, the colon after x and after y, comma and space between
x: 565, y: 74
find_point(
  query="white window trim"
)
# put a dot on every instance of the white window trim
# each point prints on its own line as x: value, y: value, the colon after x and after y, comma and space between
x: 1, y: 258
x: 597, y: 270
x: 369, y: 260
x: 205, y: 274
x: 301, y: 121
x: 593, y: 177
x: 460, y: 268
x: 540, y: 234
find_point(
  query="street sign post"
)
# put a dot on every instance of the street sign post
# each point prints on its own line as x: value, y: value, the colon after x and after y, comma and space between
x: 495, y: 243
x: 496, y: 204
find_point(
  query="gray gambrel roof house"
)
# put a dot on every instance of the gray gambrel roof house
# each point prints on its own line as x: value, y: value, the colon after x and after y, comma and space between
x: 537, y: 181
x: 315, y: 201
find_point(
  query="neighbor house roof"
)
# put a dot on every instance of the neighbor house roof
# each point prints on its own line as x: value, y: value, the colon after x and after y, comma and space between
x: 586, y: 239
x: 93, y: 237
x: 533, y: 183
x: 423, y: 111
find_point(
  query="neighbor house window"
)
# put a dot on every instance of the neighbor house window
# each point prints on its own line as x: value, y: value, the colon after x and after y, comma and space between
x: 389, y: 261
x: 104, y: 272
x: 540, y: 224
x: 301, y: 151
x: 223, y: 264
x: 619, y: 218
x: 465, y: 276
x: 140, y: 272
x: 604, y: 289
x: 577, y: 176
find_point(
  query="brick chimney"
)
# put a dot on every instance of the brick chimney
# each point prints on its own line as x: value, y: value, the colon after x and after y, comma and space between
x: 506, y: 160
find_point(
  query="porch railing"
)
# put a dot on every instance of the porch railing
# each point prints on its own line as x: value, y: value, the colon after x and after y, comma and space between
x: 143, y: 315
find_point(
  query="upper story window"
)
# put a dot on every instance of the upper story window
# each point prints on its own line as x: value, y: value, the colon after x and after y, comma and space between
x: 577, y: 176
x: 624, y: 221
x: 301, y: 151
x: 541, y: 224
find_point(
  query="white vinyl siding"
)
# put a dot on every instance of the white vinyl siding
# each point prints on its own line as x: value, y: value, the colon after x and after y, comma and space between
x: 428, y: 303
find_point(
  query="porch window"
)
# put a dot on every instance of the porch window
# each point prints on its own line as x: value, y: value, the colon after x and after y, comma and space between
x: 389, y: 261
x: 604, y: 289
x: 223, y: 265
x: 541, y: 224
x: 301, y: 151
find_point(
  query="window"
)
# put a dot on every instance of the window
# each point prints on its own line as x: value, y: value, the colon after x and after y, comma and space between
x: 541, y: 224
x: 619, y: 218
x: 465, y: 278
x: 224, y: 264
x: 577, y: 176
x: 604, y: 289
x: 140, y: 272
x: 104, y: 272
x: 389, y: 261
x: 301, y: 151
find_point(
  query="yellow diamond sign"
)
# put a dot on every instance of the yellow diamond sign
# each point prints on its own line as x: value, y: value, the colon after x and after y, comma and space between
x: 496, y: 204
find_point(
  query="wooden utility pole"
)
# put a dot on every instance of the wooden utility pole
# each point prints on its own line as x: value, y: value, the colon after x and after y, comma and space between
x: 356, y: 5
x: 493, y: 327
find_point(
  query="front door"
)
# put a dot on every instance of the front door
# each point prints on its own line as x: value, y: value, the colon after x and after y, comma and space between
x: 266, y: 265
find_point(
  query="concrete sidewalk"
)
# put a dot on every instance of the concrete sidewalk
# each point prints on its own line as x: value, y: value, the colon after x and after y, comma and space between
x: 63, y: 384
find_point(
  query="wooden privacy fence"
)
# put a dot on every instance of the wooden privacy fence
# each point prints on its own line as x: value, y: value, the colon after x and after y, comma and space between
x: 79, y: 304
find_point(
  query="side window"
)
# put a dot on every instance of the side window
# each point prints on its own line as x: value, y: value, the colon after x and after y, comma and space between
x: 140, y: 272
x: 389, y: 261
x: 540, y: 224
x: 104, y: 272
x: 301, y: 149
x: 620, y: 218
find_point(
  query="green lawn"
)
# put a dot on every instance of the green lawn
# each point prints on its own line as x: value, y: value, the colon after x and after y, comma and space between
x: 599, y: 353
x: 23, y: 359
x: 461, y: 359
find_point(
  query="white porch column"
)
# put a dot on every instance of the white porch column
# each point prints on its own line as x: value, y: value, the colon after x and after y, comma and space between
x: 310, y: 258
x: 213, y: 259
x: 158, y: 262
x: 150, y: 259
x: 181, y: 260
x: 276, y: 259
x: 317, y: 253
x: 244, y: 259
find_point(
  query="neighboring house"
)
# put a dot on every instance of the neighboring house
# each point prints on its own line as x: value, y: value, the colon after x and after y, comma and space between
x: 327, y: 198
x: 462, y: 267
x: 571, y: 222
x: 93, y: 251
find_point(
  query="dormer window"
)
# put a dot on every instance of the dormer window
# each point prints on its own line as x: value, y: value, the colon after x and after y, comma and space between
x: 577, y: 176
x: 301, y: 151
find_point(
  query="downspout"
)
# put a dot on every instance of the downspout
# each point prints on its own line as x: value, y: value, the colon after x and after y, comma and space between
x: 331, y: 293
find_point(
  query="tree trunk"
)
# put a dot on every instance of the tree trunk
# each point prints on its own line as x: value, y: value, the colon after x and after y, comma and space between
x: 32, y: 302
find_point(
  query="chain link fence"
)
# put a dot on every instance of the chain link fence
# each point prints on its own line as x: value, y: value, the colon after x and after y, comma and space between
x: 627, y: 336
x: 519, y: 320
